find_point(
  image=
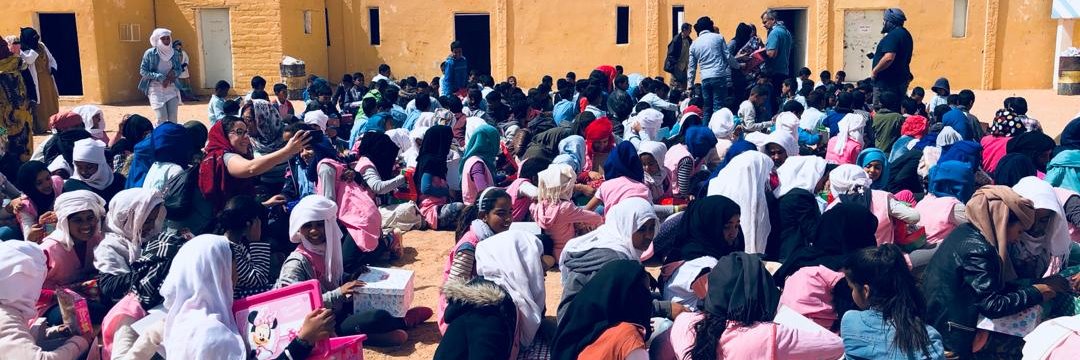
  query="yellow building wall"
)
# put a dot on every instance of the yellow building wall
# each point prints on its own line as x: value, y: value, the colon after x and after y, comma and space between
x: 311, y: 48
x: 257, y: 32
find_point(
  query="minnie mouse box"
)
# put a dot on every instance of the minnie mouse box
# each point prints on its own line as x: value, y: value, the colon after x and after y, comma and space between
x: 270, y: 321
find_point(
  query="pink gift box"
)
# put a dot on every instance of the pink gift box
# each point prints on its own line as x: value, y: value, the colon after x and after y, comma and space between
x: 341, y: 348
x: 74, y: 311
x: 270, y: 321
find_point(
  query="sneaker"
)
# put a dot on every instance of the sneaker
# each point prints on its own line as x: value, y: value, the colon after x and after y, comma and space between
x: 387, y: 339
x: 417, y: 316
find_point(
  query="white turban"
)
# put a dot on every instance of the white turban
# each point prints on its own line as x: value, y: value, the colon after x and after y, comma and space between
x: 317, y: 118
x: 70, y: 203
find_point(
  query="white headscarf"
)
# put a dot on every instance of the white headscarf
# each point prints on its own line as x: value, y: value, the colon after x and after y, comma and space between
x: 789, y: 122
x: 555, y: 183
x: 679, y: 287
x: 426, y: 119
x: 511, y: 259
x: 93, y: 151
x: 620, y: 223
x: 1055, y: 242
x: 948, y: 136
x: 784, y: 139
x: 744, y: 180
x: 811, y: 119
x: 59, y: 163
x: 400, y: 137
x: 799, y: 172
x: 128, y: 211
x: 413, y: 152
x: 722, y: 123
x: 198, y: 298
x: 658, y: 151
x: 317, y: 118
x: 851, y: 127
x: 650, y: 121
x: 471, y: 124
x: 87, y: 112
x: 22, y: 271
x: 319, y: 208
x: 72, y: 202
x: 164, y: 51
x: 848, y: 178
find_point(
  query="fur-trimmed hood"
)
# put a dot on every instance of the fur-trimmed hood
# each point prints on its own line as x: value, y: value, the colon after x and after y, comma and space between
x: 478, y: 292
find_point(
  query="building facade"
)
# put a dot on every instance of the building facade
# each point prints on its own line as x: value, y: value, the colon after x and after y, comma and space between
x: 979, y: 44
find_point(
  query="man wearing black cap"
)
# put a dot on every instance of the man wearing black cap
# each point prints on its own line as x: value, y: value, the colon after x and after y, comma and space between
x: 892, y: 60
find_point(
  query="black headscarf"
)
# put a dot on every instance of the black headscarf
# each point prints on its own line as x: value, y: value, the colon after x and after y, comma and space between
x: 1013, y: 167
x: 617, y: 293
x: 198, y: 133
x: 1070, y: 137
x: 742, y: 34
x: 29, y: 38
x: 581, y: 121
x: 741, y: 290
x: 321, y: 149
x: 904, y: 173
x: 842, y: 230
x: 134, y: 130
x: 701, y: 231
x: 1032, y: 144
x: 431, y: 159
x: 798, y: 217
x: 27, y: 183
x: 382, y: 152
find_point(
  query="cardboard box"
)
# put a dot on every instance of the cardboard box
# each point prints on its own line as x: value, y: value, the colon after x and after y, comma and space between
x: 386, y: 289
x: 74, y: 311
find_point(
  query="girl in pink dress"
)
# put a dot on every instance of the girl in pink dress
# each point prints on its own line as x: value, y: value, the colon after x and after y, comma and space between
x: 70, y: 248
x: 555, y: 213
x: 624, y: 178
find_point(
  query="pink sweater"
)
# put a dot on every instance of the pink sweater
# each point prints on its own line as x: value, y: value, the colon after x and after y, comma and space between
x: 558, y: 220
x: 19, y: 343
x: 763, y: 340
x: 613, y: 191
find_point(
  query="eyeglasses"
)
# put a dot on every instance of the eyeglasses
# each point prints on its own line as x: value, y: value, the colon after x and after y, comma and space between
x: 239, y: 132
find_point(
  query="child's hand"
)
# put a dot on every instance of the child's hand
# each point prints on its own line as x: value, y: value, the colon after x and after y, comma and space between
x: 36, y: 233
x: 49, y: 217
x: 318, y: 325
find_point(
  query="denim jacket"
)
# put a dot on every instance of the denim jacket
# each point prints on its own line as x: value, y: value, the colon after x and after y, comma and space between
x: 148, y: 69
x: 867, y: 335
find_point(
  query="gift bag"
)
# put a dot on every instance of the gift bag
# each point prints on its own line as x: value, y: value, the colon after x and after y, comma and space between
x: 1019, y: 324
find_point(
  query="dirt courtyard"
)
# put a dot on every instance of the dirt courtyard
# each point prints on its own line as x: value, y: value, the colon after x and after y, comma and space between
x: 426, y: 251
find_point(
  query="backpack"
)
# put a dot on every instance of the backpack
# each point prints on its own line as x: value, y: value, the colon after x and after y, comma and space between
x: 180, y: 192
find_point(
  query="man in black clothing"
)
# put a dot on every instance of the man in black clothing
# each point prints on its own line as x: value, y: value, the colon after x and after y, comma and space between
x: 678, y: 56
x: 892, y: 60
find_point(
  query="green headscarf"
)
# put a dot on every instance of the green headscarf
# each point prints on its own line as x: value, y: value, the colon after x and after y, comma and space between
x: 483, y: 143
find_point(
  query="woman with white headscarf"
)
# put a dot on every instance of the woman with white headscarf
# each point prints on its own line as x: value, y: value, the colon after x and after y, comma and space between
x: 136, y: 218
x: 745, y: 180
x: 416, y: 138
x: 797, y: 203
x: 643, y: 127
x: 70, y: 248
x: 313, y: 226
x: 92, y: 171
x: 512, y: 261
x: 94, y: 120
x: 722, y: 125
x: 657, y: 176
x: 198, y: 295
x: 850, y: 184
x: 159, y: 68
x: 627, y: 232
x: 1043, y: 250
x: 22, y: 270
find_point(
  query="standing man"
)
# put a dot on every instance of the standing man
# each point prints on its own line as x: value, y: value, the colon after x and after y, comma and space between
x: 892, y: 59
x: 710, y: 52
x: 42, y: 66
x: 777, y: 56
x: 678, y: 54
x: 455, y: 72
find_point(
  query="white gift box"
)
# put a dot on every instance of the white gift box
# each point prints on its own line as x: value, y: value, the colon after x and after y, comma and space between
x: 386, y: 289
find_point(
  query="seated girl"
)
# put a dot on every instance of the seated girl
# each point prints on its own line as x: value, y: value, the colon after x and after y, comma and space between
x: 92, y: 171
x: 491, y: 215
x: 609, y: 316
x: 685, y: 160
x: 709, y: 230
x: 873, y: 161
x: 430, y: 179
x: 478, y: 165
x: 313, y: 225
x: 850, y: 184
x: 23, y: 267
x: 736, y: 321
x: 482, y: 324
x: 891, y: 323
x: 70, y: 250
x: 35, y: 208
x: 599, y: 142
x: 848, y: 142
x: 377, y: 166
x: 556, y: 213
x: 943, y: 208
x: 657, y: 176
x: 624, y: 178
x: 523, y: 190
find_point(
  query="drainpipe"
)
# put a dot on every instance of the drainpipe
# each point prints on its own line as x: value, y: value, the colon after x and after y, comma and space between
x: 154, y: 9
x: 989, y: 55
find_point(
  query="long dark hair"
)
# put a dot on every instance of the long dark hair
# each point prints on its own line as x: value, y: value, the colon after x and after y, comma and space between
x: 893, y: 292
x: 740, y: 290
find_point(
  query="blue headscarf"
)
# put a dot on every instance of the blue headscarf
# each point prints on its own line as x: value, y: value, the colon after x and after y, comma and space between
x: 699, y: 140
x: 483, y: 143
x: 624, y: 161
x: 874, y: 154
x: 737, y: 147
x: 573, y: 146
x: 376, y: 123
x: 952, y: 178
x: 967, y: 151
x: 957, y: 120
x: 169, y: 142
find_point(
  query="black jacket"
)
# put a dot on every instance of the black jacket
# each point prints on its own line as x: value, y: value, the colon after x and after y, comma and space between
x: 963, y: 281
x: 674, y: 50
x: 482, y: 320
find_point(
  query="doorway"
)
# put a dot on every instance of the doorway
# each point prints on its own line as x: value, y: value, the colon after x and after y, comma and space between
x: 795, y: 21
x: 861, y: 36
x: 59, y: 31
x: 215, y: 43
x: 473, y: 31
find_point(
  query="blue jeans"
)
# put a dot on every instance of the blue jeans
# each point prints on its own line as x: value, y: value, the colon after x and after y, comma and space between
x: 713, y: 92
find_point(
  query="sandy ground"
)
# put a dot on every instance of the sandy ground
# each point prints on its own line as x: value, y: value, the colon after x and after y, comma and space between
x: 426, y: 251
